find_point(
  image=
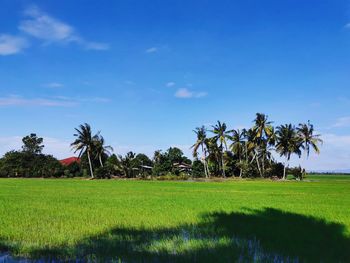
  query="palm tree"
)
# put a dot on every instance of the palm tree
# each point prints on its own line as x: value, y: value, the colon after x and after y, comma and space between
x: 221, y: 136
x: 308, y: 138
x: 288, y: 142
x: 263, y: 130
x: 100, y: 148
x: 201, y: 143
x: 84, y: 143
x: 262, y: 126
x: 214, y: 155
x: 238, y: 144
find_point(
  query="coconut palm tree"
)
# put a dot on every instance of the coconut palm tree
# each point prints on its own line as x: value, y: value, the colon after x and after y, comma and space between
x: 201, y: 143
x: 288, y: 143
x: 308, y: 138
x: 262, y: 126
x: 214, y: 155
x: 100, y: 148
x: 84, y: 143
x: 263, y: 130
x: 221, y: 136
x: 238, y: 145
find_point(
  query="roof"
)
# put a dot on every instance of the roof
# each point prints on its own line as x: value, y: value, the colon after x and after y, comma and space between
x: 70, y: 160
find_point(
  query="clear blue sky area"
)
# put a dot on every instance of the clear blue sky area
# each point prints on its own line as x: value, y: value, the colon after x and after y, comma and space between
x: 146, y: 73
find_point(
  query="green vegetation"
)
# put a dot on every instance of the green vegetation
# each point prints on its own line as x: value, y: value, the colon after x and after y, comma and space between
x: 177, y: 221
x: 245, y: 153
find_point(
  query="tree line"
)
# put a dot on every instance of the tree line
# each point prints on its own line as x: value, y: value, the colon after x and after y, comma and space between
x: 251, y: 151
x: 217, y: 152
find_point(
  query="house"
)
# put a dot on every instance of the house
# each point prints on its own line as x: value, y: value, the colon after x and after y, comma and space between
x: 70, y: 160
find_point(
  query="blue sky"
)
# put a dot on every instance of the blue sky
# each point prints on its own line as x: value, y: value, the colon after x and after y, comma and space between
x: 146, y: 73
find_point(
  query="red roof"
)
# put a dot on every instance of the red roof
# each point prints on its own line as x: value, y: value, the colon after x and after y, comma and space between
x: 70, y: 160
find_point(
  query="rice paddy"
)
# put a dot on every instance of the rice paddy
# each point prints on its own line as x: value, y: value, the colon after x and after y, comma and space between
x: 130, y: 220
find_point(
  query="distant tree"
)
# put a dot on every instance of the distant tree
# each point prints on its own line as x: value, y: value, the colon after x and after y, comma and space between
x: 201, y: 143
x: 221, y: 136
x: 263, y: 131
x: 308, y: 138
x: 84, y: 143
x: 127, y: 164
x: 238, y: 145
x: 288, y: 143
x: 26, y: 164
x: 166, y: 162
x: 32, y: 144
x: 100, y: 148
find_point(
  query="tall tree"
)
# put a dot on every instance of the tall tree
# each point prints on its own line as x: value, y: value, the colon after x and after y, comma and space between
x: 32, y: 144
x: 308, y: 138
x: 100, y: 148
x: 262, y: 130
x: 221, y: 136
x: 238, y: 145
x: 201, y: 143
x: 84, y: 143
x: 288, y: 143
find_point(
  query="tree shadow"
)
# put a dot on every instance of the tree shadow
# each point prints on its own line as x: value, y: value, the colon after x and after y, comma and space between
x: 267, y: 235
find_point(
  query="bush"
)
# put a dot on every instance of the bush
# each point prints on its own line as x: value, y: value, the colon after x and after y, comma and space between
x: 103, y: 173
x: 197, y: 169
x: 26, y: 164
x: 274, y: 169
x: 297, y: 172
x: 173, y: 177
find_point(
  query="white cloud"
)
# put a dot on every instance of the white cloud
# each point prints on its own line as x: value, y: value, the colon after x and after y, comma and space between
x: 53, y: 85
x: 57, y: 101
x: 170, y: 84
x: 342, y: 122
x: 151, y: 50
x: 95, y: 45
x: 45, y: 27
x: 19, y: 101
x: 10, y: 45
x: 184, y: 93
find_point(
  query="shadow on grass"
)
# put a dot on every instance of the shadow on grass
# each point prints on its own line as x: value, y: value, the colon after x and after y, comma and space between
x: 268, y: 235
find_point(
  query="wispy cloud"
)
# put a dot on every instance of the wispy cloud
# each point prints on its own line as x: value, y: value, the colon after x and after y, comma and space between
x: 170, y: 84
x: 342, y: 122
x: 57, y: 101
x: 45, y: 27
x: 20, y: 101
x: 347, y: 25
x: 152, y: 50
x: 10, y: 45
x: 184, y: 93
x: 53, y: 85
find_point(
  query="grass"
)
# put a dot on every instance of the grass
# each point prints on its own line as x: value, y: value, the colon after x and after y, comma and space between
x: 236, y: 220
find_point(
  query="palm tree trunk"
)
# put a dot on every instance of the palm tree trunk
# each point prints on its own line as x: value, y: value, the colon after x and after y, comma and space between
x: 263, y: 165
x: 204, y: 163
x: 284, y: 170
x: 240, y: 169
x: 90, y: 164
x: 99, y: 157
x: 223, y: 164
x: 258, y: 164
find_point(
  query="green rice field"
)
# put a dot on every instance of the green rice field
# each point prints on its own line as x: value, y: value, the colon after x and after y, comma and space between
x: 162, y: 221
